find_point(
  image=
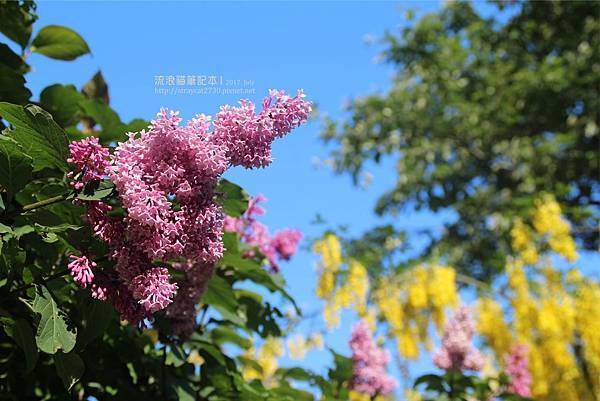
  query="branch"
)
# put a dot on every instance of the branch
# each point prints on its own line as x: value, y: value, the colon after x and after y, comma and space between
x: 37, y: 205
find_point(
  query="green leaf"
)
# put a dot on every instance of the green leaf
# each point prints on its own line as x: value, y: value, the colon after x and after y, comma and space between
x: 62, y: 101
x: 23, y: 336
x: 234, y: 199
x: 59, y: 42
x: 15, y: 166
x: 343, y: 367
x: 38, y: 134
x: 52, y: 333
x: 220, y: 295
x: 96, y: 318
x: 223, y: 334
x: 101, y: 113
x: 184, y: 391
x: 12, y: 86
x: 17, y: 19
x: 12, y: 60
x: 69, y: 367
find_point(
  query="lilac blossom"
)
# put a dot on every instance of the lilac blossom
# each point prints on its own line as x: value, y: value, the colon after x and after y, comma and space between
x: 517, y: 369
x: 457, y: 351
x: 369, y: 364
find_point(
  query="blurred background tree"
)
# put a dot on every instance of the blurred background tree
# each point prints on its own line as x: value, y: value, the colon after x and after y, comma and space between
x: 484, y: 115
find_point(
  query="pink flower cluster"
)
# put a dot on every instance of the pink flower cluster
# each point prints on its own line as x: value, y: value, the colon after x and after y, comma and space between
x: 80, y: 269
x: 281, y: 246
x: 369, y: 364
x: 166, y: 177
x: 457, y: 351
x: 247, y: 136
x: 517, y: 369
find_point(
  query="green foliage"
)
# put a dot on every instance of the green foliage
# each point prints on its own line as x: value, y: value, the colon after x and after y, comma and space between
x: 459, y: 386
x: 481, y: 118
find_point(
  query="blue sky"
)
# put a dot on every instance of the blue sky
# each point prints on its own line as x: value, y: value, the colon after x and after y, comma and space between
x: 319, y: 47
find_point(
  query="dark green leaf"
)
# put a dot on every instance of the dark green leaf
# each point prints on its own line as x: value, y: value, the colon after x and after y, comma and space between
x: 96, y: 318
x: 233, y: 198
x: 17, y: 19
x: 220, y: 295
x: 22, y: 333
x: 38, y: 134
x: 69, y: 367
x: 12, y: 86
x: 15, y: 166
x: 62, y: 101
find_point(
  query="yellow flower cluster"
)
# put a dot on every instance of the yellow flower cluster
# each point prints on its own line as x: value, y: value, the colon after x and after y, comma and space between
x: 555, y: 313
x: 409, y: 305
x: 354, y: 290
x: 551, y: 316
x: 298, y: 345
x: 266, y: 361
x: 547, y: 220
x: 523, y: 244
x: 331, y: 259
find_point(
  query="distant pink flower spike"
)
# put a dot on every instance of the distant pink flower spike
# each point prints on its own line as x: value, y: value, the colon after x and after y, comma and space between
x: 369, y: 364
x: 517, y: 368
x: 457, y: 351
x: 285, y: 242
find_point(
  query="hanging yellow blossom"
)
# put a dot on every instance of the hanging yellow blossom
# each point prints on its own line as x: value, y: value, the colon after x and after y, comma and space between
x: 547, y: 220
x: 266, y: 358
x: 298, y: 346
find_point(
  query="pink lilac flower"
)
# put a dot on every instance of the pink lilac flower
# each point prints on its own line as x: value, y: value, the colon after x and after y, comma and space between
x: 282, y: 245
x: 517, y: 369
x: 369, y: 364
x: 285, y: 242
x: 80, y: 269
x: 129, y: 309
x: 152, y: 289
x: 179, y: 162
x: 101, y: 287
x: 90, y: 159
x: 107, y: 228
x: 165, y: 178
x: 248, y: 135
x: 457, y: 351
